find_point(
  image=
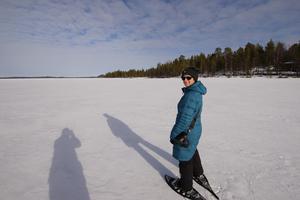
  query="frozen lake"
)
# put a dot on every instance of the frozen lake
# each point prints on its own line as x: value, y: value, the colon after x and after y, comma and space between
x: 91, y: 139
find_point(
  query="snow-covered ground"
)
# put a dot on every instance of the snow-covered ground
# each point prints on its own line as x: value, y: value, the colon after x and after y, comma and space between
x: 92, y: 139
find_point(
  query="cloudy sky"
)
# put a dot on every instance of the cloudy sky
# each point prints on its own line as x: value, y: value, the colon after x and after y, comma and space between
x: 92, y: 37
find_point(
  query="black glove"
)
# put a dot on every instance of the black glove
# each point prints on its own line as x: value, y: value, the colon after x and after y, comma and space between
x: 181, y: 140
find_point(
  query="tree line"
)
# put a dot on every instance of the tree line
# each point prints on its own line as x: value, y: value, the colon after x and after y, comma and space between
x: 252, y: 59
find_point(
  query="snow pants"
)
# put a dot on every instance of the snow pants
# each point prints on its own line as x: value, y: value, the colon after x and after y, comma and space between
x: 188, y: 169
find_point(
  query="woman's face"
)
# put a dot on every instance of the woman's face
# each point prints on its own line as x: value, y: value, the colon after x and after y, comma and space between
x: 187, y: 80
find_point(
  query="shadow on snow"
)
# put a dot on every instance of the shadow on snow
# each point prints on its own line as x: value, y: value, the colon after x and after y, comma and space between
x: 66, y: 179
x: 134, y: 141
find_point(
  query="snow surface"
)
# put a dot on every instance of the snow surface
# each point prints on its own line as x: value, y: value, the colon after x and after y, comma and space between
x: 92, y: 139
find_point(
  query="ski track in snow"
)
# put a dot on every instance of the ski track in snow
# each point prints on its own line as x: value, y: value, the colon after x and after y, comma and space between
x: 109, y: 138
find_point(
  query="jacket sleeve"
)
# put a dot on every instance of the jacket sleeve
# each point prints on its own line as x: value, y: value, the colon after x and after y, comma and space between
x: 187, y: 109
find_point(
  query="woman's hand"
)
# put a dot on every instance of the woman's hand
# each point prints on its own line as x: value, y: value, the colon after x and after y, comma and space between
x: 181, y: 140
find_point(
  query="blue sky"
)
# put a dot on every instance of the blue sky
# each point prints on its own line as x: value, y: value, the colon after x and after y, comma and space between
x: 92, y: 37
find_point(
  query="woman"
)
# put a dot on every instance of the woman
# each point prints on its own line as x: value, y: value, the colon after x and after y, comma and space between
x: 186, y: 133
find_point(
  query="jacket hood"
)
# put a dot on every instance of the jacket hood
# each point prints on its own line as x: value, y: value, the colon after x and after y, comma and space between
x: 197, y: 86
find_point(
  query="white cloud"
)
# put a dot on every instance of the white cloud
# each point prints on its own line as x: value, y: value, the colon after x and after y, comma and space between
x: 133, y: 33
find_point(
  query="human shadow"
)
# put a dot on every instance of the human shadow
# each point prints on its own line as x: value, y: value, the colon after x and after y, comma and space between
x: 66, y: 179
x: 134, y: 141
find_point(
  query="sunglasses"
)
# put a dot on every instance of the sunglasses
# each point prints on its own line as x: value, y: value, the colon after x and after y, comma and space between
x: 186, y: 77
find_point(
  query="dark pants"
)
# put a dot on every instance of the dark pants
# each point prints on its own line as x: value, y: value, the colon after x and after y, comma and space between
x: 188, y: 169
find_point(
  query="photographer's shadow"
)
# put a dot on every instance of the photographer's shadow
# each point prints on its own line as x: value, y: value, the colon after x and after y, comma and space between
x: 134, y: 141
x: 66, y: 179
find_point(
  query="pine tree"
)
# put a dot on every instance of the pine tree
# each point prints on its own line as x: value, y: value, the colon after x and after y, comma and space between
x: 270, y: 51
x: 240, y: 61
x: 260, y: 52
x: 279, y: 54
x: 228, y: 69
x: 249, y: 58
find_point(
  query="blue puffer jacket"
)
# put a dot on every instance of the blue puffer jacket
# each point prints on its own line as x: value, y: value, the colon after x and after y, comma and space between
x: 188, y: 107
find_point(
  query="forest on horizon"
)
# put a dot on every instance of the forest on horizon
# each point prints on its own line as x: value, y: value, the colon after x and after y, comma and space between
x: 252, y: 59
